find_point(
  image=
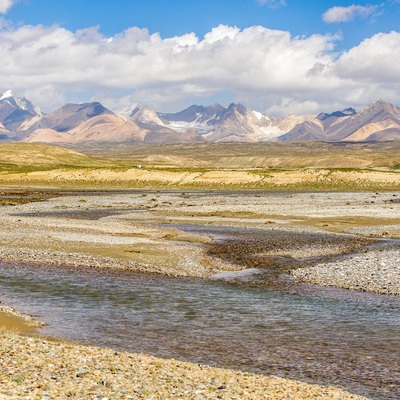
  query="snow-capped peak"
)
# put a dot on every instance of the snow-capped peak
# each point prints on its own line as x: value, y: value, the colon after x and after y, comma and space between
x: 21, y: 103
x: 128, y: 110
x: 6, y: 94
x: 258, y: 115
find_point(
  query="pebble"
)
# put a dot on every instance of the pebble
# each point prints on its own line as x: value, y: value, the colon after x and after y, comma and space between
x: 143, y: 376
x: 377, y: 271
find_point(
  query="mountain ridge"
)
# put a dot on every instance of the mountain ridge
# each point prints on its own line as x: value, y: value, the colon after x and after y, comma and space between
x: 370, y: 122
x: 91, y: 122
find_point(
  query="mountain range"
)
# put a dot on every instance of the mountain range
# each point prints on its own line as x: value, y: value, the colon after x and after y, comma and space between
x: 91, y: 122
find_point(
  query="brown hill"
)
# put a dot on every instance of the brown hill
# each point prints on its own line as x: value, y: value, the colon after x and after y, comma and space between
x: 379, y: 121
x: 101, y: 128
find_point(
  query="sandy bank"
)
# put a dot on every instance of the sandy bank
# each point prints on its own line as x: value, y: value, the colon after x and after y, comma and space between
x: 12, y: 319
x: 13, y: 322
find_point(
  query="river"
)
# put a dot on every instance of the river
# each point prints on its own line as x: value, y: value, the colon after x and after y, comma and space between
x: 323, y: 336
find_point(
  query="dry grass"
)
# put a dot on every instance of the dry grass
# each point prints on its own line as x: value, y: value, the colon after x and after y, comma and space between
x: 265, y: 166
x: 257, y: 155
x: 31, y: 156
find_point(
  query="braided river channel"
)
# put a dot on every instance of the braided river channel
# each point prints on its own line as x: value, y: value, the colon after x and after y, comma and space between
x: 326, y: 336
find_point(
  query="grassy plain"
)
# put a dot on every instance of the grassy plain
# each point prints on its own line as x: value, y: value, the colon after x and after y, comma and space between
x: 266, y: 166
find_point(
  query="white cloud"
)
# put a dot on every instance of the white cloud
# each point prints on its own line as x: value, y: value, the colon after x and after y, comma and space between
x: 272, y: 3
x: 346, y: 14
x: 5, y: 5
x: 374, y: 60
x: 263, y: 68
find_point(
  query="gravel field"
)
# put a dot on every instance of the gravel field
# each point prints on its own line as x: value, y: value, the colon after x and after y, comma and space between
x: 155, y: 232
x: 36, y: 368
x: 375, y: 271
x: 145, y: 231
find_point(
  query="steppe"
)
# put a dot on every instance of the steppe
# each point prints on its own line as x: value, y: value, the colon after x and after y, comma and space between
x: 164, y: 210
x: 265, y: 166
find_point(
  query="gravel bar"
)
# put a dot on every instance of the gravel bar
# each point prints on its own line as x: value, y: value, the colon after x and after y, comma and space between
x: 377, y: 271
x: 37, y: 368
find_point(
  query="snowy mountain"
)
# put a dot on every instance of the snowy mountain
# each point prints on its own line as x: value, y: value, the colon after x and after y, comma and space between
x: 20, y: 120
x: 93, y: 123
x: 157, y: 131
x: 146, y: 116
x: 18, y: 102
x: 240, y: 124
x: 15, y: 112
x: 235, y: 123
x: 199, y: 118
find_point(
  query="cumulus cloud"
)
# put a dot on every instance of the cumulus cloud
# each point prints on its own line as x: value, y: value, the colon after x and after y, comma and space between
x: 374, y: 60
x: 346, y: 14
x: 263, y: 68
x: 5, y: 5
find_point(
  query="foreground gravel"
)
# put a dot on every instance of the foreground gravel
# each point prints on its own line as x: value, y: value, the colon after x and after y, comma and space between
x: 36, y: 368
x: 375, y: 271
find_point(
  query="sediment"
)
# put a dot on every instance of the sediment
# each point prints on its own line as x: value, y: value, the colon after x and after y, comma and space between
x: 34, y: 368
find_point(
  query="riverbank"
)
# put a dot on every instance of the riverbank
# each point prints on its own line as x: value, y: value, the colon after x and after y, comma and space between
x: 34, y: 367
x: 201, y: 234
x: 375, y: 271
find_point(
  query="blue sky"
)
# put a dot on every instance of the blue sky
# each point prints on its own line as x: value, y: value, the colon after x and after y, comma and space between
x: 177, y: 17
x: 276, y: 56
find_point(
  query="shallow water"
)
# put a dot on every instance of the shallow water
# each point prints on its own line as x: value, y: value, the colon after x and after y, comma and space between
x: 348, y: 341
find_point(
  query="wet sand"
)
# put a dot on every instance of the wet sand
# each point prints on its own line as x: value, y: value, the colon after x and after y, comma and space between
x: 14, y: 323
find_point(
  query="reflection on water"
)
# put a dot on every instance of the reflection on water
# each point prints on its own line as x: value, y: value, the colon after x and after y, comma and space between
x: 353, y: 343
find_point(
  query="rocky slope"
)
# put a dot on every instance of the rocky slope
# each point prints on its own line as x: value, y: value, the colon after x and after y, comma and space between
x: 157, y: 131
x: 101, y: 128
x: 15, y: 112
x: 199, y: 118
x: 379, y: 121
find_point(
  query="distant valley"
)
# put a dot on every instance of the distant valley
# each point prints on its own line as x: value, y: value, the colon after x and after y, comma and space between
x: 92, y: 123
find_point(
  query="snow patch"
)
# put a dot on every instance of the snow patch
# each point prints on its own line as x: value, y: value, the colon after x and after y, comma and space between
x: 127, y: 110
x: 270, y: 132
x: 182, y: 126
x: 258, y: 115
x: 7, y: 94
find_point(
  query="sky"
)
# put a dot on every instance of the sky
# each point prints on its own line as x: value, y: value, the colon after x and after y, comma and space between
x: 275, y: 56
